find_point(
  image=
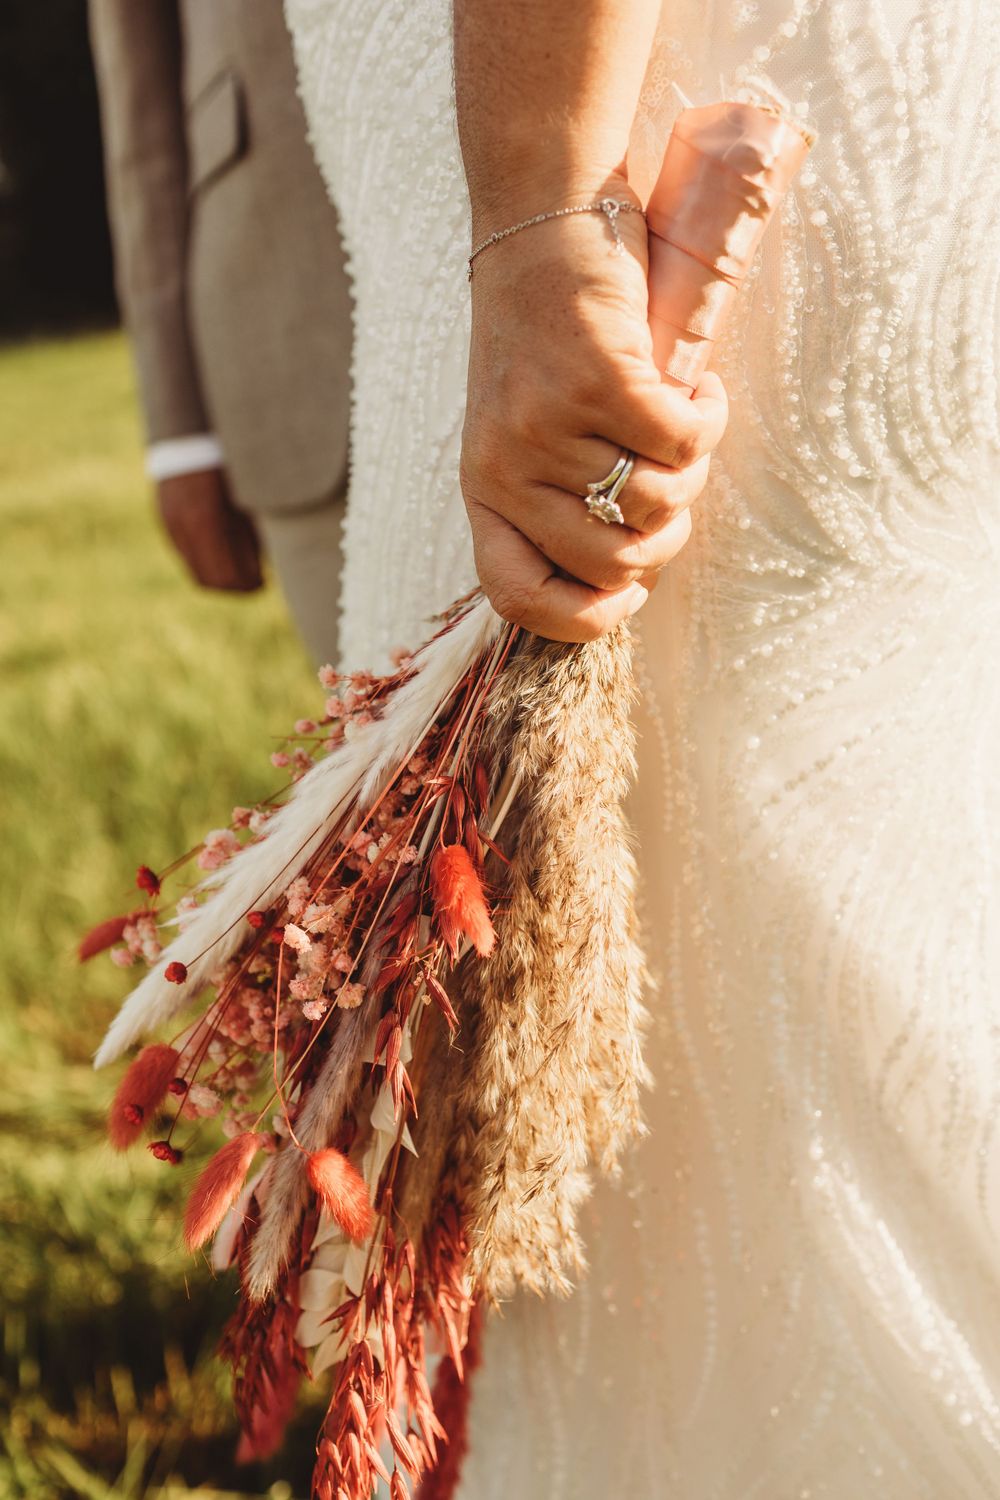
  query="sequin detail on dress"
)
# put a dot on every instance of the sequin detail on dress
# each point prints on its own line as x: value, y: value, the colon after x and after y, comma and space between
x: 795, y: 1291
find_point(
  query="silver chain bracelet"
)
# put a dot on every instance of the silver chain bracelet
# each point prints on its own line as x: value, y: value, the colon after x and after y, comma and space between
x: 609, y: 207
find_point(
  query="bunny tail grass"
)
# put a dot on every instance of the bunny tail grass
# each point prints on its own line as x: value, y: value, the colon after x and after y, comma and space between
x: 352, y: 776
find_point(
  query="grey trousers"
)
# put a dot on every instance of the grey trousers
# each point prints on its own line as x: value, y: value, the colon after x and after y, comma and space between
x: 304, y: 548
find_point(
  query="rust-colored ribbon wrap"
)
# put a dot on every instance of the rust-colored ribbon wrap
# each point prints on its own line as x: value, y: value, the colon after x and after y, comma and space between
x: 726, y: 168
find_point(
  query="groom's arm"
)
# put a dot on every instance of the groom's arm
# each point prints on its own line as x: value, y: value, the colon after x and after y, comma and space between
x: 138, y: 58
x: 137, y: 55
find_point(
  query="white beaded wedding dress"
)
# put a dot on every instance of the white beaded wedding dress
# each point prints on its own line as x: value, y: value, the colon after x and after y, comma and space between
x: 795, y: 1291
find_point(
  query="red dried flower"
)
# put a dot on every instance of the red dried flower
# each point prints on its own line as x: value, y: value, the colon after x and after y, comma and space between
x: 175, y: 972
x: 459, y: 901
x: 102, y: 937
x: 163, y: 1151
x: 140, y: 1093
x: 218, y: 1187
x: 272, y: 1416
x: 256, y: 918
x: 342, y: 1191
x: 177, y: 1087
x: 147, y: 880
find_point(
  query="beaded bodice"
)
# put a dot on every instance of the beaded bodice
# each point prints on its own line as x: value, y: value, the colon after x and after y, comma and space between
x: 795, y: 1292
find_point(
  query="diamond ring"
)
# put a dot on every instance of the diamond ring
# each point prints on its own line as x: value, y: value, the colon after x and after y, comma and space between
x: 601, y: 498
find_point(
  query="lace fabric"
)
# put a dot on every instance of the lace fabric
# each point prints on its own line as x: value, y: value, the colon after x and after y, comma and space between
x: 795, y: 1290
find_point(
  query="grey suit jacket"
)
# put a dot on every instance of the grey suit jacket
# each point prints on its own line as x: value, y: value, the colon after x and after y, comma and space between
x: 228, y: 258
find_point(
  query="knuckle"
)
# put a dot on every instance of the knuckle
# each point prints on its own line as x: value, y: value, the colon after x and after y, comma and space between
x: 686, y: 449
x: 512, y: 601
x: 618, y: 574
x: 608, y: 571
x: 652, y: 516
x: 592, y: 386
x: 529, y: 423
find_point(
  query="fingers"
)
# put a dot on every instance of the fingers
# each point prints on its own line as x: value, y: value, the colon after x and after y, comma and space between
x: 604, y: 556
x: 245, y: 572
x: 659, y: 421
x: 217, y: 541
x: 652, y: 495
x: 523, y: 586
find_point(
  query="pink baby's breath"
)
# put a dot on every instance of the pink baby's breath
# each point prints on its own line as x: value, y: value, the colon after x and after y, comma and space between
x: 350, y: 995
x: 297, y: 897
x: 301, y: 988
x: 122, y: 958
x: 315, y: 1010
x: 204, y: 1100
x: 318, y: 917
x: 328, y: 678
x: 280, y: 760
x: 217, y: 846
x: 296, y: 939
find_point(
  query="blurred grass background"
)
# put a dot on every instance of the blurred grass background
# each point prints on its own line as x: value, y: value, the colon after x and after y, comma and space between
x: 135, y: 712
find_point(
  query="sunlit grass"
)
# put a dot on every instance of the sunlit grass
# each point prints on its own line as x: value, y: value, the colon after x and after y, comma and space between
x: 134, y: 711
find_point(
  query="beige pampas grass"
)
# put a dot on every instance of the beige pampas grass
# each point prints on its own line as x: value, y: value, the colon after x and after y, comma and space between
x: 545, y: 1076
x: 557, y: 1070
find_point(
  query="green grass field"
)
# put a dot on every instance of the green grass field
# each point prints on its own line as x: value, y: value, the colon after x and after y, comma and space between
x: 135, y: 711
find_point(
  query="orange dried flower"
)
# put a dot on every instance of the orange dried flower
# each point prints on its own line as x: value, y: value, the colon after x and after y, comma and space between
x: 140, y: 1093
x: 460, y: 902
x: 342, y: 1191
x: 103, y: 936
x: 218, y: 1187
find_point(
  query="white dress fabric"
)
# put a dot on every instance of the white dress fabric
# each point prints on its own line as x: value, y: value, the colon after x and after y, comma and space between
x: 795, y: 1291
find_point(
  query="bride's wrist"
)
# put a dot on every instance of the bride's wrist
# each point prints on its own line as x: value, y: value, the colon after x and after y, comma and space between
x: 519, y: 182
x: 521, y: 202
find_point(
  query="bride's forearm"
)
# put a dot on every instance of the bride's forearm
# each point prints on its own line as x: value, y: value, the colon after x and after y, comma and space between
x: 546, y: 93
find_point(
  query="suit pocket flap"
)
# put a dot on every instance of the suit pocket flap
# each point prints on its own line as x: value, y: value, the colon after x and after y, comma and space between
x: 216, y: 129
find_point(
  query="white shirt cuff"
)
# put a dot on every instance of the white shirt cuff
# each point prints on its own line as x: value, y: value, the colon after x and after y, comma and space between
x: 183, y: 455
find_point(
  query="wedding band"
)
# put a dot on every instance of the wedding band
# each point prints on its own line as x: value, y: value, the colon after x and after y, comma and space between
x: 601, y: 498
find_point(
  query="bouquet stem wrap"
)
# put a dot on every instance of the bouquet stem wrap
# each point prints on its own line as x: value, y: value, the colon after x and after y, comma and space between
x: 726, y: 168
x: 421, y: 966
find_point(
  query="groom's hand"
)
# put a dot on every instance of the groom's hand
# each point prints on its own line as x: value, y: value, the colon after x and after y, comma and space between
x: 561, y: 379
x: 216, y: 539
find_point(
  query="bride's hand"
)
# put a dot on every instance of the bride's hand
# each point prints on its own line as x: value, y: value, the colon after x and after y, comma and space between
x: 561, y: 379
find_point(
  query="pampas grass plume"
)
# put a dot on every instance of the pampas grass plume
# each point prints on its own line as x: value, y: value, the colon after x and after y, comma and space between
x: 140, y: 1093
x: 459, y: 900
x: 218, y: 1187
x: 342, y: 1192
